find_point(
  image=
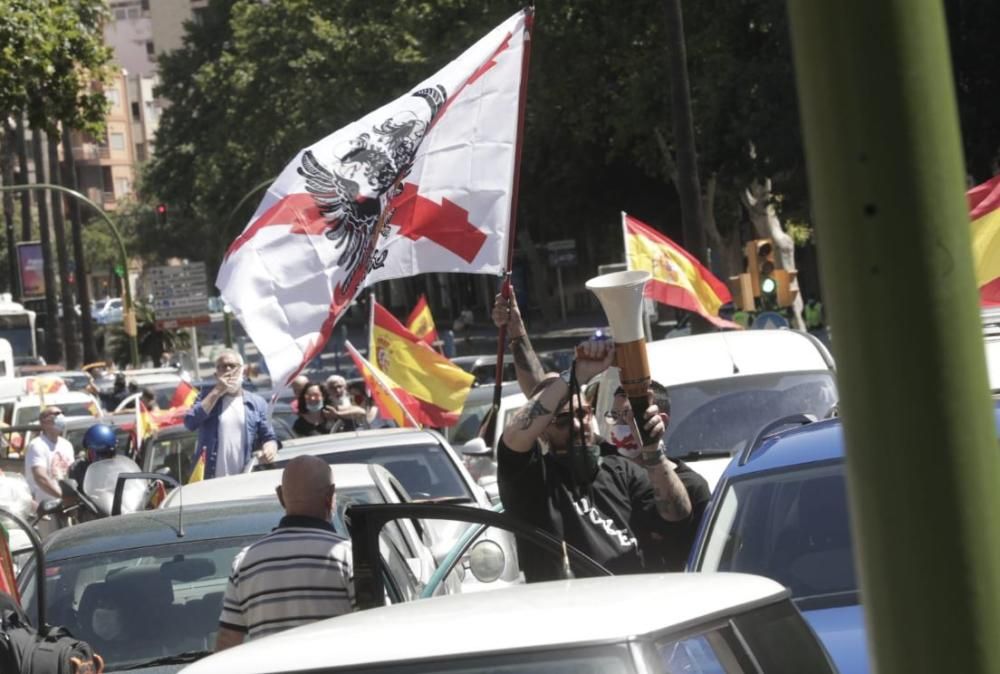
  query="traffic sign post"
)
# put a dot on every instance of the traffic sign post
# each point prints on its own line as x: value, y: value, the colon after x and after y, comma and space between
x: 180, y: 299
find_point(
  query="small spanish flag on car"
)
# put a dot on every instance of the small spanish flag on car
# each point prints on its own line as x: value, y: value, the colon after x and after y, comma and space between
x: 678, y: 279
x: 198, y: 474
x: 421, y: 322
x: 984, y: 211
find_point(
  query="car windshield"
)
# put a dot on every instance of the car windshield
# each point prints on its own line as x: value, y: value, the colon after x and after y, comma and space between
x: 135, y: 605
x: 174, y: 452
x: 791, y: 526
x: 123, y: 441
x: 468, y: 424
x: 722, y: 415
x: 425, y: 471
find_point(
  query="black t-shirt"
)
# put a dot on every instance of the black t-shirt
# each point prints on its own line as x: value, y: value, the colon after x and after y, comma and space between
x: 304, y: 428
x: 666, y: 547
x: 614, y: 521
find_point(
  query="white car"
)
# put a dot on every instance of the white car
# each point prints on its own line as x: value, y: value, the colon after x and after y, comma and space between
x: 656, y: 624
x: 725, y: 386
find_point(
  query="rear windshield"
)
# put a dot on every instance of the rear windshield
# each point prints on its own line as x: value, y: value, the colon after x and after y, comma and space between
x: 425, y: 471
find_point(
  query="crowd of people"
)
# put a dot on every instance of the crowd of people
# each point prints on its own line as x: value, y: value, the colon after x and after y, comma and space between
x: 330, y: 407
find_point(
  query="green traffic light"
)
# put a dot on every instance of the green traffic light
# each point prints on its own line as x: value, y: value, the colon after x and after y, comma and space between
x: 768, y: 285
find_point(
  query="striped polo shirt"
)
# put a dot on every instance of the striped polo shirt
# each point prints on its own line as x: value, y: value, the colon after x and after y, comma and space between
x: 298, y: 573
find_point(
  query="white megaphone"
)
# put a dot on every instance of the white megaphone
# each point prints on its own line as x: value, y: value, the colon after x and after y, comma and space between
x: 620, y: 295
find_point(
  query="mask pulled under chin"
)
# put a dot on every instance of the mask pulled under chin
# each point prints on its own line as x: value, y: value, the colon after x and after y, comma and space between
x: 624, y: 441
x: 581, y: 463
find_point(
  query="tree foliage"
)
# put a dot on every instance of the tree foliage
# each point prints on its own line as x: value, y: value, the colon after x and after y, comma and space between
x: 255, y: 82
x: 52, y: 53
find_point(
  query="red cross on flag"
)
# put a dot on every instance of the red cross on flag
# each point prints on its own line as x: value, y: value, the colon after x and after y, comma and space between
x: 423, y: 184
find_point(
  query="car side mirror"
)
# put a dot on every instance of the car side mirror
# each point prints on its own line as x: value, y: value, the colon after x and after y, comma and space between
x: 487, y: 561
x: 49, y: 507
x: 476, y: 447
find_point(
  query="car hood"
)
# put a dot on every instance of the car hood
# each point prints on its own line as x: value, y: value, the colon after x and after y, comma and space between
x: 842, y: 631
x: 710, y: 469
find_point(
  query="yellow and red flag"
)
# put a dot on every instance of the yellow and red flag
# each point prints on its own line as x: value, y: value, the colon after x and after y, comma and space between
x: 421, y: 323
x: 198, y: 474
x: 438, y: 385
x: 145, y: 425
x: 184, y: 395
x: 393, y: 402
x: 43, y: 386
x: 678, y: 279
x: 984, y: 211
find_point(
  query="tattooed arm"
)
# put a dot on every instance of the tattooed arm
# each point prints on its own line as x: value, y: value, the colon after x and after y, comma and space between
x: 530, y: 421
x: 669, y: 494
x: 526, y: 364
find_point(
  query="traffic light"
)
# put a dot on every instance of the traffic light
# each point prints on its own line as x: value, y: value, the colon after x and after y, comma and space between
x: 760, y: 265
x: 161, y: 214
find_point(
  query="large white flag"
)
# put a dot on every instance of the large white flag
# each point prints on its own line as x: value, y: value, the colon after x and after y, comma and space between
x: 422, y: 184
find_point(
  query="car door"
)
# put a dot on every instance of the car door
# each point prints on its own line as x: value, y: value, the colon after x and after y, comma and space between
x: 475, y: 551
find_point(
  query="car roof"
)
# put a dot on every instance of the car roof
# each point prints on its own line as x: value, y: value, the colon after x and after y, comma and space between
x: 813, y: 443
x: 261, y: 484
x: 355, y: 440
x: 721, y: 355
x: 159, y: 527
x: 537, y: 615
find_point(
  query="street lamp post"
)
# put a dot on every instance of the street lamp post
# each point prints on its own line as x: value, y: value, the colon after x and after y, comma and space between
x: 129, y: 306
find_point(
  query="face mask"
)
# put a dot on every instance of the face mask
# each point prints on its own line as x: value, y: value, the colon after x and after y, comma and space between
x: 314, y: 406
x: 624, y: 441
x: 106, y: 623
x: 59, y: 422
x: 581, y: 463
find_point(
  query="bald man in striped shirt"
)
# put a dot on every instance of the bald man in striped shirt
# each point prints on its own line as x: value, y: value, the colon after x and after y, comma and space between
x: 298, y: 573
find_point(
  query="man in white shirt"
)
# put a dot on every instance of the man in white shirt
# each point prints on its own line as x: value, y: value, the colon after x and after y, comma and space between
x: 231, y: 422
x: 49, y: 456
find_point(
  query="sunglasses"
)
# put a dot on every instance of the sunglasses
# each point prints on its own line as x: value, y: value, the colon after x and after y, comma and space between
x: 565, y: 419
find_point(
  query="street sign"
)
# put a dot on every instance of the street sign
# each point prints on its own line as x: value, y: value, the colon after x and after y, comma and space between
x: 769, y: 320
x: 180, y: 294
x: 562, y: 253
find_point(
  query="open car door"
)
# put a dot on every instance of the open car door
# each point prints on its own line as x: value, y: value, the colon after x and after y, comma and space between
x: 377, y: 581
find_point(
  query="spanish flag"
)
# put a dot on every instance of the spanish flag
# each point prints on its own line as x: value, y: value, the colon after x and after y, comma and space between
x: 678, y: 279
x: 984, y: 211
x: 198, y: 473
x: 438, y: 385
x: 145, y: 425
x: 184, y: 395
x: 393, y: 402
x: 421, y: 323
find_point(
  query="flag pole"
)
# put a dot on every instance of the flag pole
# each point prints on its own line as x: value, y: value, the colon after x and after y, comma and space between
x: 505, y: 290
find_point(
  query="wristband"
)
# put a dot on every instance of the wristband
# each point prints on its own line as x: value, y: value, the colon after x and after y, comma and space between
x: 650, y: 459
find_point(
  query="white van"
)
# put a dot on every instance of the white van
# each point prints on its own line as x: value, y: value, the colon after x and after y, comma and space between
x: 725, y: 386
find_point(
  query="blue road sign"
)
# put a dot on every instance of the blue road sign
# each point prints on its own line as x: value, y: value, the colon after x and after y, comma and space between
x: 769, y: 320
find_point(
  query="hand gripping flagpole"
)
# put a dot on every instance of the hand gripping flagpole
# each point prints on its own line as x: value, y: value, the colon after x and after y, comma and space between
x: 529, y: 16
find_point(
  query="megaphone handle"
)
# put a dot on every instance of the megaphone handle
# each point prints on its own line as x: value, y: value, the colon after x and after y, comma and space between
x: 639, y: 405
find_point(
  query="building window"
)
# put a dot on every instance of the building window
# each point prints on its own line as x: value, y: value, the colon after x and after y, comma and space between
x: 121, y: 187
x: 150, y: 49
x: 133, y: 12
x: 117, y: 141
x: 105, y: 179
x: 136, y: 112
x: 113, y: 97
x: 144, y: 5
x: 140, y: 152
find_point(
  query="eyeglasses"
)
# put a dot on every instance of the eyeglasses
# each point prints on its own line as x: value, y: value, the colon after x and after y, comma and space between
x: 616, y: 416
x: 227, y: 366
x: 565, y: 419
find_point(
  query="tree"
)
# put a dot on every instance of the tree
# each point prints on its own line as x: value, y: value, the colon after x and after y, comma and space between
x: 53, y: 55
x: 153, y: 342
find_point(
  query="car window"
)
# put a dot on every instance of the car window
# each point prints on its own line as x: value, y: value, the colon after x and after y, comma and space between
x: 792, y: 526
x: 781, y: 641
x: 425, y: 470
x: 174, y: 453
x: 28, y: 414
x: 705, y: 653
x: 468, y: 424
x: 136, y: 605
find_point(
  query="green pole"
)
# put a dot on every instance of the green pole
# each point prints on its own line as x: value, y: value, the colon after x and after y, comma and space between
x: 887, y: 186
x: 129, y: 308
